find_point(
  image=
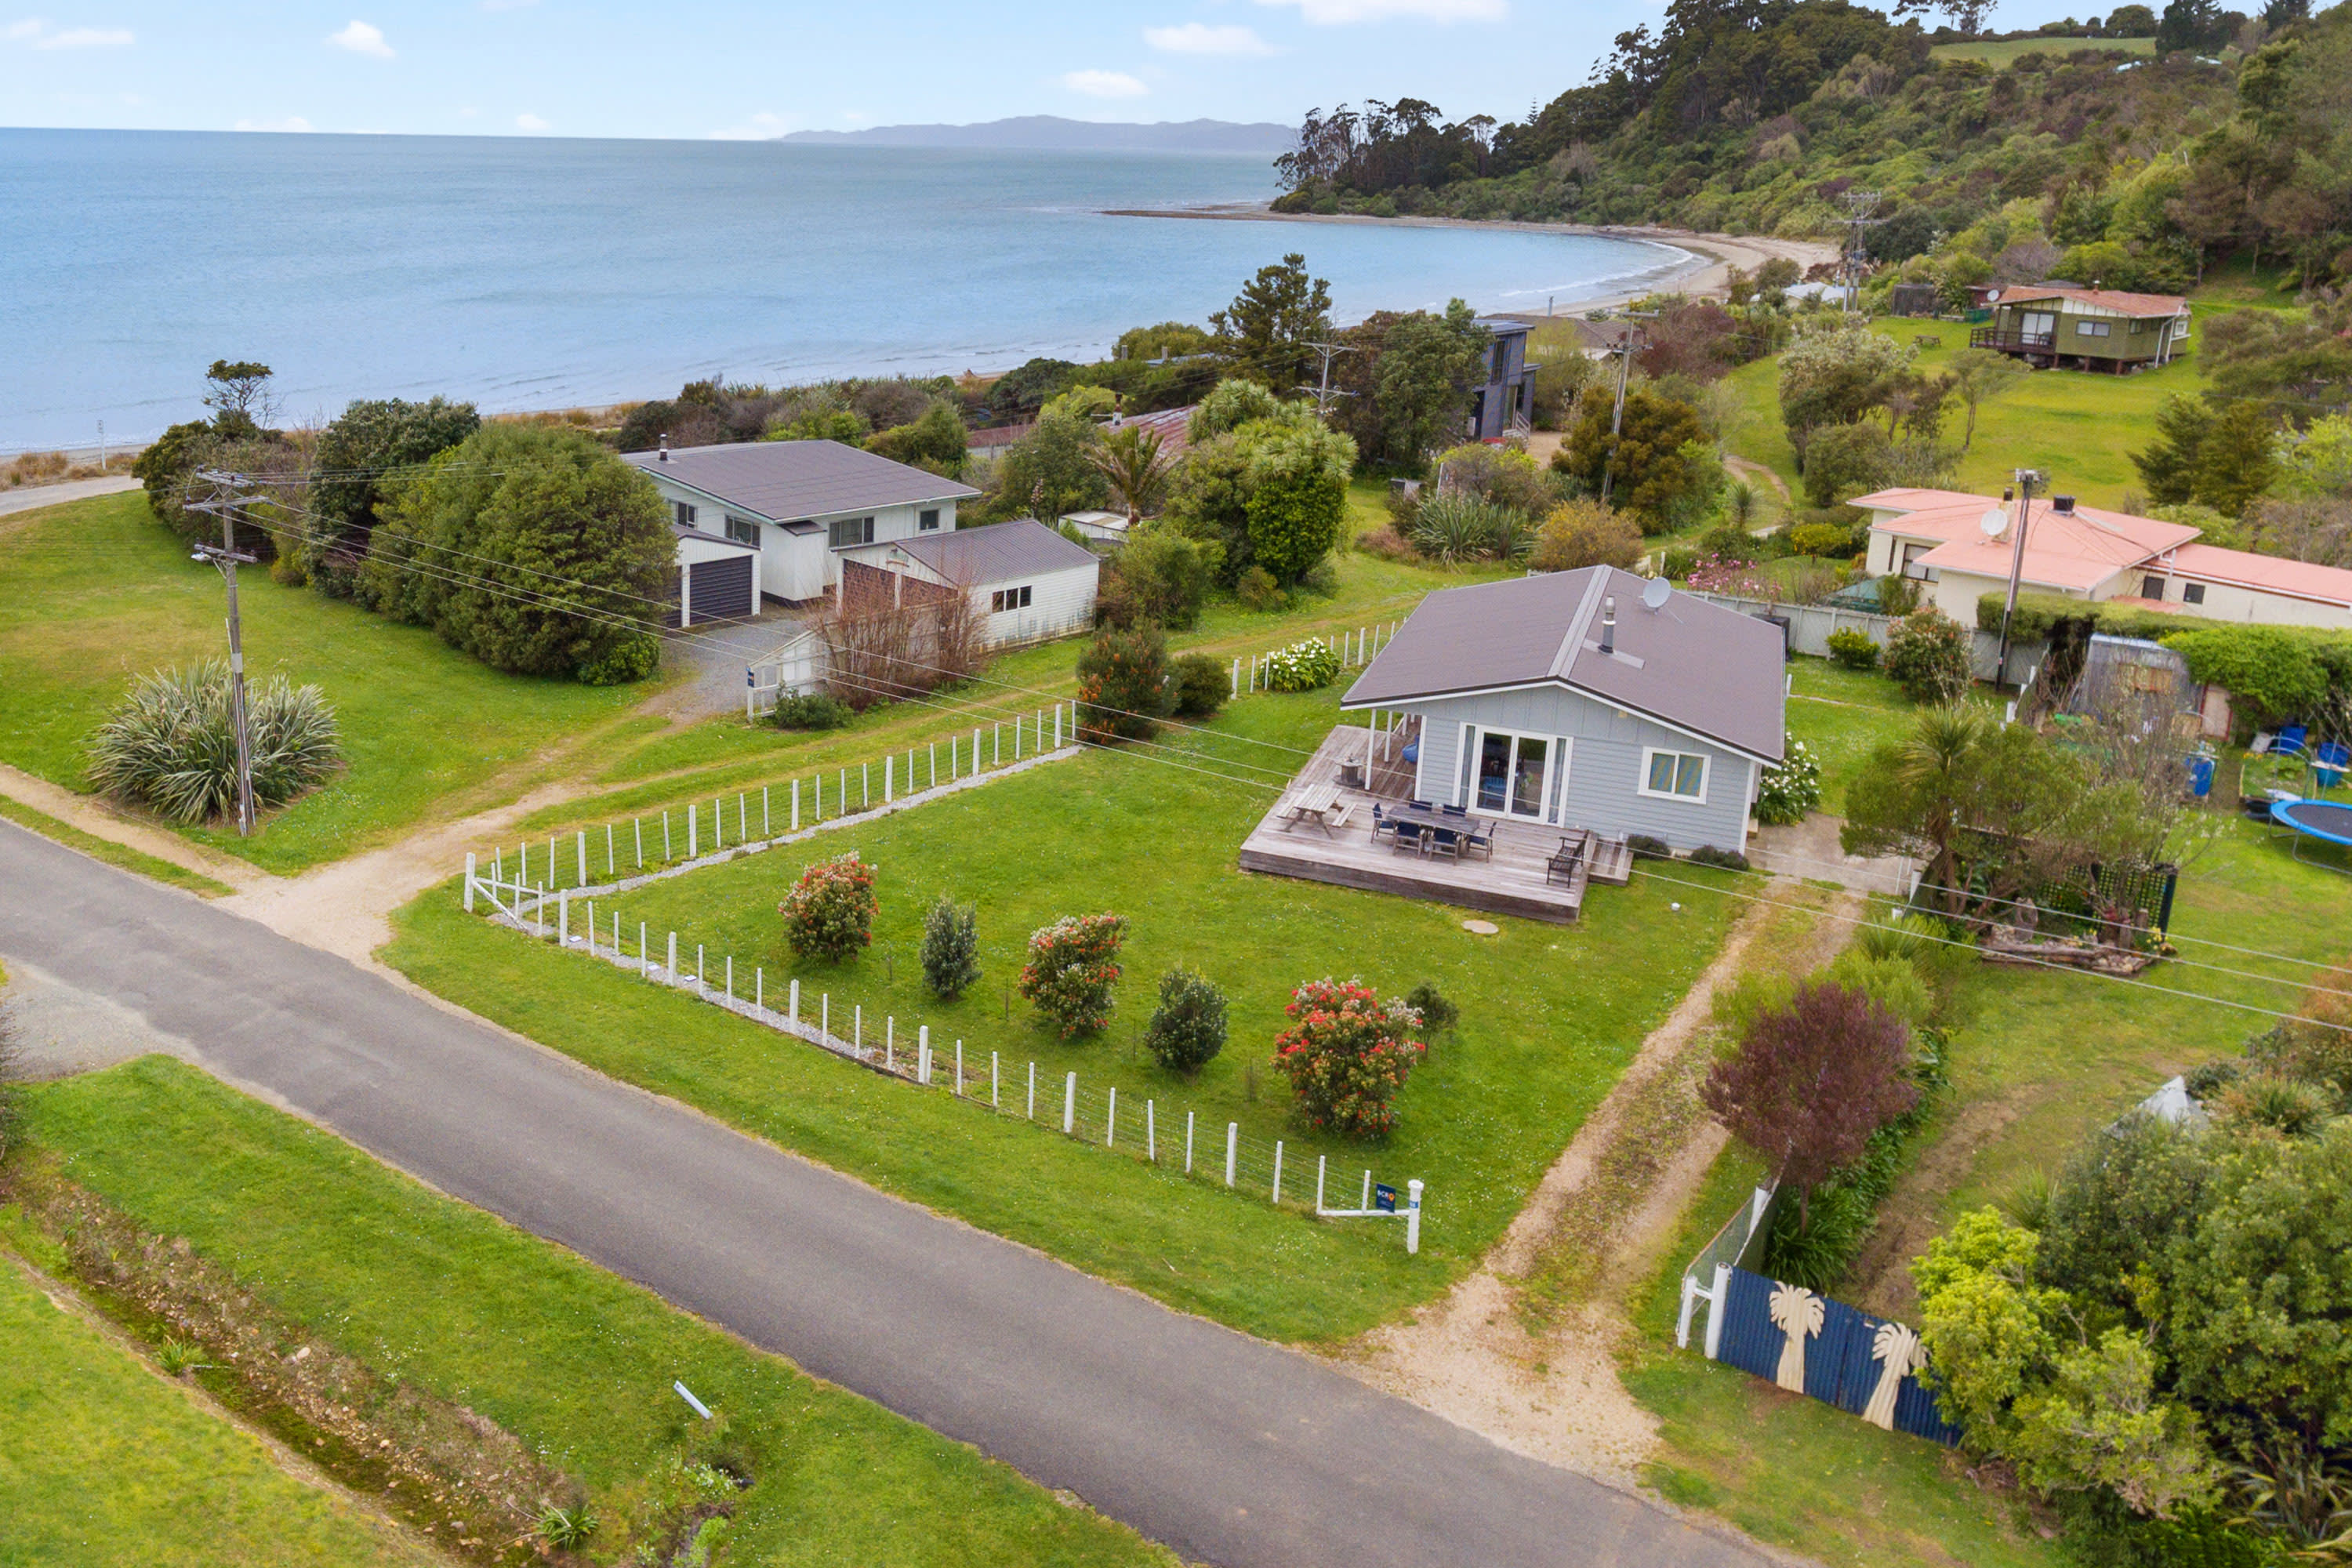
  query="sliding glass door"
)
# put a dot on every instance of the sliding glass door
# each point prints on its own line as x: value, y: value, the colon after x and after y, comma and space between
x: 1512, y: 773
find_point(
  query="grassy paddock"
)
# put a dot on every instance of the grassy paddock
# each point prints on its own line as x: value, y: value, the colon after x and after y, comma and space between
x: 575, y: 1361
x: 1551, y: 1015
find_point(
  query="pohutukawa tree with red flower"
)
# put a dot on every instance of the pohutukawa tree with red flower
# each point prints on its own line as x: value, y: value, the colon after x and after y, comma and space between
x: 1346, y: 1053
x: 1073, y: 964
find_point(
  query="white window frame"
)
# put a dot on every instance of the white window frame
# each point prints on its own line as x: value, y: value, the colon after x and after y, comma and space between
x: 685, y: 510
x: 1705, y: 775
x: 1466, y: 773
x: 1008, y: 600
x: 743, y: 531
x: 2093, y: 330
x: 928, y: 520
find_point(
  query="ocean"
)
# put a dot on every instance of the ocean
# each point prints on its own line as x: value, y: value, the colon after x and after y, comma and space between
x: 528, y: 274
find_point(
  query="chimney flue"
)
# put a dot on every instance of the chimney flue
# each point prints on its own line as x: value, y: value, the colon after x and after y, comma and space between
x: 664, y: 455
x: 2062, y: 505
x: 1609, y: 626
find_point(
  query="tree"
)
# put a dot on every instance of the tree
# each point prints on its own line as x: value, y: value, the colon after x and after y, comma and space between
x: 1232, y: 404
x: 1412, y: 389
x: 1123, y: 691
x: 1050, y: 472
x: 1134, y: 462
x: 1073, y: 964
x: 1347, y: 1054
x: 1843, y: 461
x: 1977, y: 376
x: 1810, y: 1082
x: 1264, y: 334
x: 1927, y: 654
x: 950, y: 951
x: 357, y: 457
x: 1647, y: 469
x: 935, y: 440
x: 1297, y: 482
x: 2192, y: 24
x: 1696, y: 339
x: 1584, y: 533
x: 237, y: 391
x: 1187, y: 1029
x: 1158, y: 578
x: 1024, y: 389
x: 564, y: 552
x: 2133, y: 21
x: 1834, y: 377
x: 829, y: 913
x: 2217, y: 454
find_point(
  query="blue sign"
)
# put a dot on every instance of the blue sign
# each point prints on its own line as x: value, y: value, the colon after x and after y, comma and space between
x: 1384, y: 1198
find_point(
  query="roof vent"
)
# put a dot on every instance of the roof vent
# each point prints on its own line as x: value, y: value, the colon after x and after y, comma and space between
x: 663, y: 457
x: 2062, y: 505
x: 1609, y: 624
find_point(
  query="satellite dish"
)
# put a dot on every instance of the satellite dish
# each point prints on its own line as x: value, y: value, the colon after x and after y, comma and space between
x: 1992, y: 522
x: 1655, y: 594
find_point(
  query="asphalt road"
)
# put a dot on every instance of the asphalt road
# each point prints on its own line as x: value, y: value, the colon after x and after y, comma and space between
x: 1229, y: 1449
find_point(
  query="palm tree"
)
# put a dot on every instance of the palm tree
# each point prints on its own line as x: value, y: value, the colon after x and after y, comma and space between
x: 1135, y: 461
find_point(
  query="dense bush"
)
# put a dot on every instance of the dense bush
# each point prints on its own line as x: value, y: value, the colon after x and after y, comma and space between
x: 1824, y: 539
x: 1584, y: 533
x: 1073, y: 966
x: 1788, y: 792
x: 1721, y: 860
x: 1927, y: 654
x: 829, y: 913
x: 356, y: 465
x: 1187, y: 1029
x: 1257, y: 590
x: 810, y: 711
x: 1305, y: 666
x: 935, y: 440
x: 1643, y: 846
x: 169, y: 744
x: 1853, y: 649
x: 624, y: 661
x: 951, y: 949
x: 1202, y: 686
x: 1123, y: 685
x: 1158, y: 577
x: 1437, y: 1014
x: 1347, y: 1054
x: 1659, y: 468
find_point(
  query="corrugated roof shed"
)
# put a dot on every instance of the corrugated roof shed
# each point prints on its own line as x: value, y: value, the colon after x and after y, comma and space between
x: 781, y: 480
x: 996, y: 554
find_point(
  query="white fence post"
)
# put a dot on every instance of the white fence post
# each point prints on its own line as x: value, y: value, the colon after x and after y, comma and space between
x: 1321, y: 1161
x: 1188, y: 1142
x: 666, y: 854
x: 889, y: 768
x: 767, y: 830
x: 612, y: 864
x: 469, y: 883
x: 1715, y: 1310
x: 1278, y: 1170
x: 1057, y: 726
x: 759, y: 988
x: 563, y: 919
x: 993, y: 1103
x: 959, y: 1083
x: 1237, y: 675
x: 1413, y: 1217
x: 1233, y: 1147
x: 1111, y: 1120
x: 583, y: 856
x: 730, y: 977
x: 793, y: 1001
x: 796, y: 805
x: 1150, y: 1133
x: 638, y: 828
x: 673, y: 958
x: 1070, y: 1104
x: 1033, y: 1091
x: 693, y: 829
x: 923, y: 1054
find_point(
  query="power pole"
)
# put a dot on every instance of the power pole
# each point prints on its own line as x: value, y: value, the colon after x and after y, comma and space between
x: 2026, y: 479
x: 1624, y: 353
x: 228, y: 558
x: 1859, y: 205
x: 1322, y: 391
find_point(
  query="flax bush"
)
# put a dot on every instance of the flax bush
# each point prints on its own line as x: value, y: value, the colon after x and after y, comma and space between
x: 169, y: 745
x: 1073, y: 964
x: 829, y: 913
x: 1347, y: 1054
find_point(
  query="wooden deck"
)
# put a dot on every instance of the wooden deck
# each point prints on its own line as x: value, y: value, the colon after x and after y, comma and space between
x: 1512, y: 883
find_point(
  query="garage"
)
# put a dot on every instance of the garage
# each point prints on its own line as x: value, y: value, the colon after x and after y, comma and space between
x: 717, y: 579
x: 720, y: 589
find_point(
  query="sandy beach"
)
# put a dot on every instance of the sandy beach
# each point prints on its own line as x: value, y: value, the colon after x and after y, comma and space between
x: 1706, y: 270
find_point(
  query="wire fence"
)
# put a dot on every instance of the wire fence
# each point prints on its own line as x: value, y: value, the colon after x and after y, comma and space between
x: 1353, y: 650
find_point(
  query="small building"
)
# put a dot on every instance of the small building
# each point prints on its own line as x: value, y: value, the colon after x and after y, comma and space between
x: 1592, y: 700
x: 1913, y: 300
x: 1961, y: 547
x: 1026, y: 582
x: 1103, y: 527
x: 1505, y: 400
x: 770, y: 521
x: 2054, y: 325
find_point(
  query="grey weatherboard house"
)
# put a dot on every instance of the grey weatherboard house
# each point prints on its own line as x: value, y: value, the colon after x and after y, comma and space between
x: 1564, y: 699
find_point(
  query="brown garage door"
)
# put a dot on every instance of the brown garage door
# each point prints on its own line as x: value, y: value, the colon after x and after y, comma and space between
x: 721, y: 588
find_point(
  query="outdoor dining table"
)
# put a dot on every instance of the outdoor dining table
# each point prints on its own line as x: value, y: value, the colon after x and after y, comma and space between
x: 1314, y: 803
x: 1428, y: 817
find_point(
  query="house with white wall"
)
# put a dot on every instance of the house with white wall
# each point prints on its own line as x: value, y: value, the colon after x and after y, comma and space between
x: 1959, y: 547
x: 771, y: 520
x: 1026, y: 581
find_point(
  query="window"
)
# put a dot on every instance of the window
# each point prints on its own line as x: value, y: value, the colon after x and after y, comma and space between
x: 845, y: 531
x: 2040, y: 324
x: 2092, y: 329
x: 1511, y: 773
x: 684, y: 513
x: 2192, y: 593
x: 2137, y: 328
x: 742, y: 529
x: 2151, y: 587
x: 1675, y: 776
x: 929, y: 521
x: 1005, y: 599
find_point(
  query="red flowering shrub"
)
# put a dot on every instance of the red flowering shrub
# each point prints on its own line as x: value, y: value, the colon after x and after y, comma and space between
x: 1347, y: 1055
x: 1073, y: 963
x: 829, y: 913
x: 1123, y: 688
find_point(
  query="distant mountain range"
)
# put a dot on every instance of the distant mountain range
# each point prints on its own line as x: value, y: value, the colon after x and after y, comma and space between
x: 1052, y: 134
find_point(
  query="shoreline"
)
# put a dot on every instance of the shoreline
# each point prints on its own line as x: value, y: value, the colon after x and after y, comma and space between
x: 1705, y: 270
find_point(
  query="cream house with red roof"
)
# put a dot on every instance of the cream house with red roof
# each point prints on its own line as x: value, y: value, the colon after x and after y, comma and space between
x: 1940, y: 538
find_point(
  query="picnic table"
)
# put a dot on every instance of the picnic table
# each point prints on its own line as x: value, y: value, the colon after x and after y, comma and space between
x: 1318, y: 803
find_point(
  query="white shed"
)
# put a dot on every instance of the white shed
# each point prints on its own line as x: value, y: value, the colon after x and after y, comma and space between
x: 1027, y: 582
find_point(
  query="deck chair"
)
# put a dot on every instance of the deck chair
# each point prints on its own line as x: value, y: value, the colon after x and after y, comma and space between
x: 1408, y: 839
x: 1446, y: 842
x: 1562, y: 867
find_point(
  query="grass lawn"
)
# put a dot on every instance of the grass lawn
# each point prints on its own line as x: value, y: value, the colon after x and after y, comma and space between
x: 1550, y: 1014
x: 95, y: 592
x: 113, y: 854
x: 1844, y: 714
x: 2000, y: 55
x: 574, y: 1360
x: 102, y: 1463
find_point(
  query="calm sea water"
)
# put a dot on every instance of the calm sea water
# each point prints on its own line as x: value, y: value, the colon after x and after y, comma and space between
x: 535, y: 274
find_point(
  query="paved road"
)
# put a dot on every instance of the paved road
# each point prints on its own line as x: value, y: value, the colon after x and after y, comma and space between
x: 1231, y: 1450
x: 32, y: 496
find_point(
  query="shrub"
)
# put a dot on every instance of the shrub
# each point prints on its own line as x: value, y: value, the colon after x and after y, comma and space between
x: 169, y: 744
x: 1202, y: 686
x: 1436, y: 1013
x: 1788, y: 792
x: 1257, y: 590
x: 1843, y: 461
x: 1347, y: 1054
x: 1853, y: 649
x: 1678, y: 564
x: 628, y: 659
x: 1305, y: 666
x: 1157, y: 577
x: 1073, y: 964
x: 1898, y: 595
x: 1385, y: 543
x: 1585, y: 533
x: 951, y: 949
x: 1731, y: 544
x: 1187, y: 1029
x: 566, y: 1529
x: 1722, y: 859
x: 1826, y: 539
x: 1928, y: 655
x: 810, y: 711
x: 1297, y: 498
x: 1644, y: 847
x: 1123, y: 688
x: 829, y: 913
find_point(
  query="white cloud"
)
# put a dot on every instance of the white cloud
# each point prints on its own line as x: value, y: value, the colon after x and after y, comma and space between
x: 1327, y: 13
x: 761, y: 127
x: 362, y: 39
x: 530, y: 122
x: 1200, y: 38
x: 41, y: 36
x: 292, y: 123
x: 1104, y: 84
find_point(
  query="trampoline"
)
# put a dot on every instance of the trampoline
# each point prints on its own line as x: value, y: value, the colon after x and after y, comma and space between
x: 2327, y: 821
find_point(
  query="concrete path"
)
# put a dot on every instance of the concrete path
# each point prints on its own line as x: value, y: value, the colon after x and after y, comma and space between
x: 32, y: 496
x: 1231, y: 1450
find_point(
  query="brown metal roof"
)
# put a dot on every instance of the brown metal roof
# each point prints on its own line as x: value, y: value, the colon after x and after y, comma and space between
x: 1692, y: 665
x: 781, y: 480
x: 2115, y: 299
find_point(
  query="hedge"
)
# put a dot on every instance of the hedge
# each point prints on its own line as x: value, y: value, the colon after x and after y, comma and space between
x: 2038, y: 615
x: 2276, y: 672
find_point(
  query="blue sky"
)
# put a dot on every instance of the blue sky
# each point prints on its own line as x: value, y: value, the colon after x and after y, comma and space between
x: 581, y: 67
